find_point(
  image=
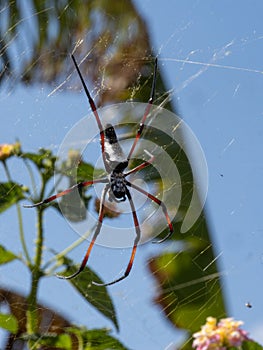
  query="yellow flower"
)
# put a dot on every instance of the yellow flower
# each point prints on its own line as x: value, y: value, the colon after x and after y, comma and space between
x: 8, y: 150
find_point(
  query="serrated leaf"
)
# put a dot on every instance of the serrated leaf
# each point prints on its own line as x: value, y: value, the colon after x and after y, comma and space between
x: 10, y: 193
x: 86, y: 171
x: 81, y: 170
x: 6, y: 255
x: 9, y: 322
x: 95, y: 295
x: 59, y: 341
x: 77, y: 169
x: 97, y: 339
x: 42, y: 159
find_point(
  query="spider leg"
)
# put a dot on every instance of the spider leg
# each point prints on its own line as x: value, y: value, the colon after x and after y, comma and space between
x: 146, y: 112
x: 63, y: 193
x: 136, y: 241
x: 160, y: 203
x: 141, y: 166
x: 94, y: 110
x: 96, y: 233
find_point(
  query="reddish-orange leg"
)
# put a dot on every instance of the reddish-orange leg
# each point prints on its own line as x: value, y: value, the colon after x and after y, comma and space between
x: 136, y: 241
x: 94, y: 110
x: 160, y: 203
x: 68, y: 190
x: 96, y: 233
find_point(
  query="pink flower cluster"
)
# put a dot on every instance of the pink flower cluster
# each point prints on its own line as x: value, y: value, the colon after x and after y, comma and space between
x: 219, y: 336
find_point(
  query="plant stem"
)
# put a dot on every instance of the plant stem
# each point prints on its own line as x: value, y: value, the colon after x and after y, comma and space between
x: 32, y: 311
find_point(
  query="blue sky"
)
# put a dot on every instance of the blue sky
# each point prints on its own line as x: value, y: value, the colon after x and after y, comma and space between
x: 211, y: 57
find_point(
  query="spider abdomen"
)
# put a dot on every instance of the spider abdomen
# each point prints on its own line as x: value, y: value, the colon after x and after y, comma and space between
x: 118, y: 186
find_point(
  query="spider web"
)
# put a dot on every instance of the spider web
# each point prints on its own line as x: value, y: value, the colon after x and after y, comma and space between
x: 210, y: 55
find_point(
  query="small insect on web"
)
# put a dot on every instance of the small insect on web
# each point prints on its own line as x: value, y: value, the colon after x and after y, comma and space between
x: 116, y: 184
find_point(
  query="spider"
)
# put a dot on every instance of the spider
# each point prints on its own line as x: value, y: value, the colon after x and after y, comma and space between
x: 116, y: 184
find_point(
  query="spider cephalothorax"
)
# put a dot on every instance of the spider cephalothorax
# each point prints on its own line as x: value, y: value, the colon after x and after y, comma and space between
x: 116, y: 184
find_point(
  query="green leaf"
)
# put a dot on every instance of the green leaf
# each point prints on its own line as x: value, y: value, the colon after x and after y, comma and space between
x: 97, y: 339
x: 251, y: 345
x: 9, y: 322
x: 6, y: 256
x: 60, y: 341
x: 10, y: 193
x: 87, y: 172
x: 44, y: 161
x: 95, y: 295
x: 78, y: 170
